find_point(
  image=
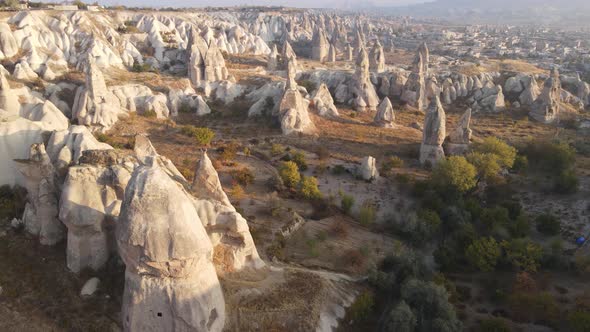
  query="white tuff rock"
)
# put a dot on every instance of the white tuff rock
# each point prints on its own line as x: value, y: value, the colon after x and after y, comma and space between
x: 385, y: 116
x: 434, y: 134
x: 170, y: 279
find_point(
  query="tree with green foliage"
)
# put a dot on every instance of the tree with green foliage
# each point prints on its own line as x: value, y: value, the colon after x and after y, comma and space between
x: 523, y: 254
x: 455, y: 172
x: 520, y: 227
x: 484, y: 254
x: 308, y: 188
x: 79, y: 4
x: 12, y: 4
x: 495, y: 217
x: 289, y: 173
x: 504, y: 153
x: 401, y: 319
x: 552, y: 157
x: 487, y: 164
x: 430, y: 303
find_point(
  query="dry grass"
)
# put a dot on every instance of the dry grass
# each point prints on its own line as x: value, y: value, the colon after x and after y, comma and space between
x: 156, y: 82
x: 493, y: 65
x: 290, y: 306
x: 37, y: 284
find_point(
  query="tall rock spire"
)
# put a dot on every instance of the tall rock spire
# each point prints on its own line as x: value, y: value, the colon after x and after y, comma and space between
x: 434, y: 133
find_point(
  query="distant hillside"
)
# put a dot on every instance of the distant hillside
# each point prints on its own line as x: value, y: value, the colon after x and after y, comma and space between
x: 550, y: 12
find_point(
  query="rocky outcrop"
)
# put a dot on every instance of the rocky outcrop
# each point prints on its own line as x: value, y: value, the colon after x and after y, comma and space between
x: 320, y: 46
x: 273, y: 59
x: 490, y: 98
x: 293, y: 109
x: 385, y: 116
x: 332, y: 53
x: 546, y: 107
x: 414, y: 92
x: 287, y: 55
x: 215, y: 69
x: 24, y: 72
x: 323, y: 102
x: 364, y: 94
x: 40, y: 216
x: 8, y: 98
x: 170, y: 279
x: 206, y: 183
x: 368, y: 170
x: 377, y: 58
x: 348, y: 52
x: 460, y: 138
x: 90, y: 205
x: 18, y: 134
x: 8, y: 44
x: 582, y: 90
x: 524, y: 86
x: 434, y: 133
x: 206, y: 62
x: 65, y: 147
x: 94, y: 105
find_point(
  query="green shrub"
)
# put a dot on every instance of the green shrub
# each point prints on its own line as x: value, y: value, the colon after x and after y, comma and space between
x: 431, y: 306
x: 523, y: 254
x: 454, y: 172
x: 401, y: 319
x: 494, y: 325
x: 203, y: 136
x: 185, y: 108
x: 505, y: 153
x: 307, y: 84
x: 230, y: 151
x: 390, y: 163
x: 243, y: 176
x: 338, y: 170
x: 347, y: 203
x: 548, y: 224
x: 101, y: 137
x: 551, y: 157
x: 308, y: 188
x: 566, y: 183
x: 483, y: 254
x: 579, y: 321
x: 520, y: 227
x: 367, y: 213
x: 141, y: 68
x: 521, y: 163
x: 299, y: 158
x: 276, y: 150
x: 362, y: 307
x: 151, y: 114
x: 494, y: 217
x: 289, y: 173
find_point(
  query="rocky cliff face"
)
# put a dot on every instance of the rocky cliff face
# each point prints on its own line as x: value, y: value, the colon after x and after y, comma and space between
x: 170, y: 280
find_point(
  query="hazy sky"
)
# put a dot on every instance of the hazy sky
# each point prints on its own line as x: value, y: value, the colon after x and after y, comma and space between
x: 291, y: 3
